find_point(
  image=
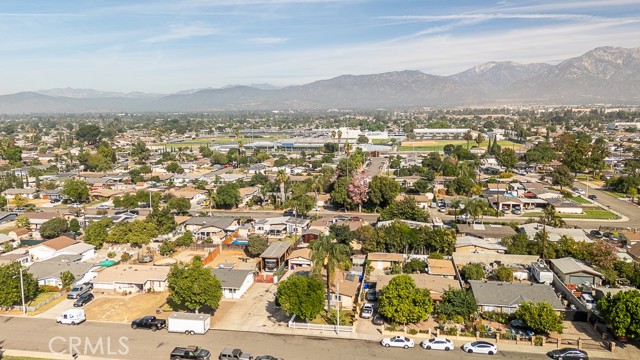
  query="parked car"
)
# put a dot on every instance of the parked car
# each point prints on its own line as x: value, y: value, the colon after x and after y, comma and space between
x: 609, y: 235
x: 75, y: 204
x: 83, y: 299
x: 397, y: 341
x: 190, y: 353
x: 438, y: 343
x: 516, y: 212
x: 442, y: 209
x: 592, y: 197
x: 54, y: 200
x: 480, y: 347
x: 268, y: 357
x: 371, y: 295
x: 102, y: 206
x: 234, y: 354
x: 149, y: 322
x: 596, y: 234
x: 568, y: 353
x: 377, y: 320
x: 367, y: 311
x: 89, y: 285
x: 77, y: 290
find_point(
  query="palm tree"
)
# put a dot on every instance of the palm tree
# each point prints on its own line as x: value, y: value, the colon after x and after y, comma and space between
x: 347, y: 151
x: 455, y: 205
x: 480, y: 139
x: 468, y: 136
x: 329, y: 255
x: 282, y: 178
x: 550, y: 218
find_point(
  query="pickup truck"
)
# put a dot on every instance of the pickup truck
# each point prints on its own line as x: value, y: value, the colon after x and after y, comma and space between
x: 234, y: 354
x: 149, y: 322
x: 190, y: 353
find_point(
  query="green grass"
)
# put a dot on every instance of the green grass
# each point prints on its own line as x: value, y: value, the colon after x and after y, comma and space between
x: 616, y: 194
x: 596, y: 214
x: 21, y: 358
x: 42, y: 297
x: 579, y: 199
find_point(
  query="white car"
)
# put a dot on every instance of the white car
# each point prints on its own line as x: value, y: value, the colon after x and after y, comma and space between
x: 102, y: 206
x: 72, y: 317
x: 367, y: 311
x: 397, y: 341
x: 480, y: 347
x: 438, y: 343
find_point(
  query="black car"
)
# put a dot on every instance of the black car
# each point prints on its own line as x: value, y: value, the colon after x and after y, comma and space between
x: 377, y: 320
x: 609, y: 235
x: 568, y: 353
x: 148, y: 322
x: 371, y: 295
x: 596, y: 234
x: 592, y: 197
x: 190, y: 353
x: 83, y: 299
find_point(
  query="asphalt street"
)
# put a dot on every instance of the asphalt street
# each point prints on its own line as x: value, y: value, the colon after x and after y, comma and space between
x: 119, y: 341
x: 610, y: 202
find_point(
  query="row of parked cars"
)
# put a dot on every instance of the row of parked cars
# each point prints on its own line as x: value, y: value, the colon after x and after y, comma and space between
x: 198, y: 353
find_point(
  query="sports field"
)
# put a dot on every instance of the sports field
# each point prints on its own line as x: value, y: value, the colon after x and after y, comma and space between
x: 438, y: 145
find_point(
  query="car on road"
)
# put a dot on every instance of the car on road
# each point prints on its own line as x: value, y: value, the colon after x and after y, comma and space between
x: 54, y: 200
x: 190, y: 353
x: 102, y: 206
x: 268, y: 357
x: 596, y: 234
x: 234, y: 354
x: 367, y: 311
x: 149, y: 322
x: 356, y: 218
x: 397, y: 341
x: 75, y: 204
x: 480, y: 347
x: 442, y: 209
x: 568, y: 353
x: 72, y: 317
x: 377, y: 320
x: 83, y: 299
x: 592, y: 197
x: 438, y: 343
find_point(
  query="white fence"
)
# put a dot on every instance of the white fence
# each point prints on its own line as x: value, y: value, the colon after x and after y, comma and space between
x: 307, y: 326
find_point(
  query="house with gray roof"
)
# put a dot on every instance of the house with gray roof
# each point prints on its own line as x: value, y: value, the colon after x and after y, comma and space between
x: 213, y: 227
x: 49, y: 272
x: 274, y: 256
x: 554, y: 233
x: 234, y: 282
x: 486, y: 231
x: 505, y: 297
x: 572, y: 271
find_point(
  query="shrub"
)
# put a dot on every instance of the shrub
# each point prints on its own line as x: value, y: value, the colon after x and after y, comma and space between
x: 111, y: 254
x: 501, y: 318
x: 505, y: 175
x: 125, y: 257
x: 537, y: 341
x: 413, y: 331
x: 452, y: 331
x: 48, y: 288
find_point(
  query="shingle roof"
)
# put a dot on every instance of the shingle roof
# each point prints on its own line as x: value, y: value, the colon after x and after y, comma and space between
x: 231, y: 278
x: 60, y: 242
x: 385, y: 257
x: 219, y: 222
x: 506, y: 294
x: 569, y: 265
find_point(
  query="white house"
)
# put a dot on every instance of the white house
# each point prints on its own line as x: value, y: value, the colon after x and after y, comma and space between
x: 281, y: 226
x: 132, y: 278
x: 61, y: 245
x: 234, y: 282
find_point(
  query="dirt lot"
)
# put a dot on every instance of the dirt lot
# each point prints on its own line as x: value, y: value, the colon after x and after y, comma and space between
x: 124, y: 309
x: 186, y: 256
x: 235, y: 256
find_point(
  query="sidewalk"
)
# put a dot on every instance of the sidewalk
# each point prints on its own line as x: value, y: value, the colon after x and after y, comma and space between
x: 46, y: 355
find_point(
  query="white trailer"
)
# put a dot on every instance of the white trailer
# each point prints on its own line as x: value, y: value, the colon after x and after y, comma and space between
x: 189, y: 323
x: 541, y: 272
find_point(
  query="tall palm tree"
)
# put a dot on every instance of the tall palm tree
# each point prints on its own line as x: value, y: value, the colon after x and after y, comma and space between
x: 468, y: 136
x: 480, y: 139
x: 282, y: 178
x: 329, y: 255
x: 347, y: 151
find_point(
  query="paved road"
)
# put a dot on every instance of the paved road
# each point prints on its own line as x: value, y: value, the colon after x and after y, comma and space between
x: 376, y: 166
x: 37, y: 334
x: 608, y: 201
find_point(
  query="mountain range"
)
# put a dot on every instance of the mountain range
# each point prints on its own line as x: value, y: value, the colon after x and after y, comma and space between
x: 602, y: 75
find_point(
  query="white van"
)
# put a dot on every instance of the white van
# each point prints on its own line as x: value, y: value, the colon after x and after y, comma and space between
x: 588, y: 301
x: 72, y: 317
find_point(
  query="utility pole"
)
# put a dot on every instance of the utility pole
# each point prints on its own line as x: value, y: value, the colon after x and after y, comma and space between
x: 24, y: 307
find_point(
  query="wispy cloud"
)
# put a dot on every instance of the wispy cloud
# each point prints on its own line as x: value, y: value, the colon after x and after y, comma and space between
x: 267, y: 40
x: 487, y: 17
x: 178, y: 32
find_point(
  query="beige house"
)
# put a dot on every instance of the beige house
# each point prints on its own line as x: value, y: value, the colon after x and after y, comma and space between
x: 381, y: 261
x: 437, y: 285
x: 132, y: 278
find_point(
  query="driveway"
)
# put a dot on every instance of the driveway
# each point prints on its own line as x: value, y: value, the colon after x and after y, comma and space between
x: 256, y: 311
x: 56, y: 310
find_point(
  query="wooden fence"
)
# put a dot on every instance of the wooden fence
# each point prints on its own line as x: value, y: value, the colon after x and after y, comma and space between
x: 212, y: 255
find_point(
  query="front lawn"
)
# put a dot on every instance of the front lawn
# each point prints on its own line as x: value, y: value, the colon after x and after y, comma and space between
x: 579, y: 199
x: 596, y: 214
x: 346, y: 318
x: 616, y: 194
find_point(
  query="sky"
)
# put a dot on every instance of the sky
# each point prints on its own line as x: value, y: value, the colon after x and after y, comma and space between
x: 168, y: 46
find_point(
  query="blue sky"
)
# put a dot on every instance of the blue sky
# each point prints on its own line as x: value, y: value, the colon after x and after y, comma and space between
x: 168, y: 46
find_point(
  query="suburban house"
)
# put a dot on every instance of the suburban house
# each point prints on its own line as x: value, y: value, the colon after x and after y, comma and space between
x: 630, y: 236
x: 572, y: 271
x: 565, y: 206
x: 7, y: 216
x: 27, y: 193
x: 505, y: 297
x: 234, y: 282
x: 472, y: 244
x: 554, y: 234
x: 247, y: 193
x: 274, y: 256
x: 442, y: 268
x: 194, y: 195
x: 381, y: 261
x: 49, y: 272
x: 300, y: 258
x: 437, y: 285
x: 62, y: 245
x: 10, y: 258
x: 132, y: 278
x: 343, y: 292
x: 211, y: 227
x: 280, y: 226
x: 36, y: 219
x: 634, y: 251
x: 486, y: 231
x: 6, y: 239
x: 51, y: 194
x: 20, y: 234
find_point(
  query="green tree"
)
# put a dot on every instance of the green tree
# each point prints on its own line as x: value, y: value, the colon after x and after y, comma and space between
x: 181, y: 205
x: 228, y: 196
x: 414, y: 265
x: 140, y: 152
x: 174, y: 167
x: 403, y: 303
x: 406, y: 209
x: 10, y: 291
x: 383, y: 190
x: 13, y: 154
x: 67, y: 279
x: 540, y: 317
x: 468, y: 136
x: 194, y: 286
x: 97, y: 232
x: 74, y: 225
x: 136, y: 233
x: 562, y: 176
x: 622, y: 313
x: 54, y: 228
x: 76, y: 190
x: 328, y: 255
x: 23, y: 222
x: 504, y: 273
x: 257, y: 244
x: 508, y: 158
x: 185, y: 239
x: 302, y: 202
x: 3, y: 202
x: 457, y: 302
x: 362, y: 139
x: 163, y: 221
x: 473, y: 271
x: 540, y: 154
x: 302, y: 296
x: 167, y: 247
x: 88, y: 134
